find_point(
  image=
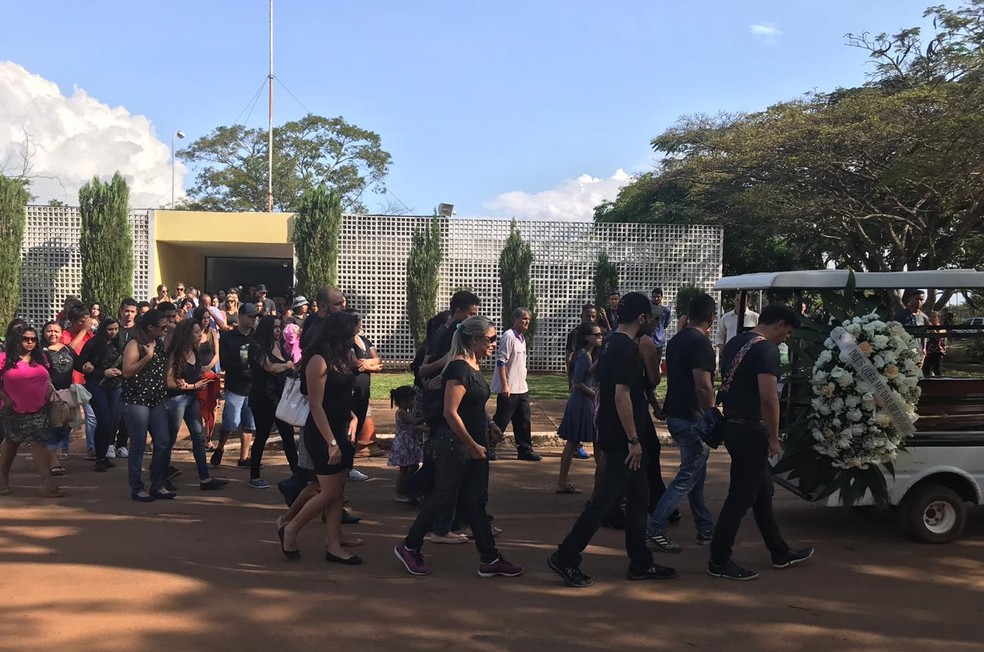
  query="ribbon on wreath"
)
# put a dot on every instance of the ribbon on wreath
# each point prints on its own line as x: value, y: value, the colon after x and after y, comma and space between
x: 884, y: 396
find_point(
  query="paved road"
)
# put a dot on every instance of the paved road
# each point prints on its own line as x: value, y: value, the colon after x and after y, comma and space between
x: 96, y: 572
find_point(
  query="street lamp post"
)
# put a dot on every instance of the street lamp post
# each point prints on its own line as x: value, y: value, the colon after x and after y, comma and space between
x: 176, y: 134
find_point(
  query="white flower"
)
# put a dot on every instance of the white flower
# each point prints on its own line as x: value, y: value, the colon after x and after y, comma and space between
x: 846, y: 380
x: 854, y: 415
x: 879, y: 341
x: 824, y: 357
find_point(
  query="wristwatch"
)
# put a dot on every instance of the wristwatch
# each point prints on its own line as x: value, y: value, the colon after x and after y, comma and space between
x: 332, y: 443
x: 634, y: 441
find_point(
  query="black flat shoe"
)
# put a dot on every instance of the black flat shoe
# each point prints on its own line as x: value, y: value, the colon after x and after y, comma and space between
x: 170, y: 486
x: 213, y: 484
x: 349, y: 519
x: 354, y: 560
x: 160, y: 495
x: 135, y: 495
x: 217, y: 457
x: 246, y: 462
x: 291, y: 555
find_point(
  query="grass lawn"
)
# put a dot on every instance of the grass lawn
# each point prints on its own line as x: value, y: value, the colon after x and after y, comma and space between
x: 542, y: 386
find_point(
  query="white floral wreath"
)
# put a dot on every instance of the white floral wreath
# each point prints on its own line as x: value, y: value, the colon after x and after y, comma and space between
x: 847, y: 423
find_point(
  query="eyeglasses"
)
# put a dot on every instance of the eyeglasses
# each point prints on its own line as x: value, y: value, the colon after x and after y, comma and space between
x: 490, y: 339
x: 29, y: 339
x: 181, y: 289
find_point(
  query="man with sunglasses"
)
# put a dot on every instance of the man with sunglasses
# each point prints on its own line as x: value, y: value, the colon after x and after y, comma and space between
x: 509, y: 384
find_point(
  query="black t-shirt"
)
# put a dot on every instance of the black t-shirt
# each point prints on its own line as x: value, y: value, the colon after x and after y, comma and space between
x: 472, y: 407
x: 687, y: 350
x: 60, y: 366
x: 619, y: 363
x: 742, y: 400
x: 442, y: 341
x: 234, y: 349
x: 310, y: 330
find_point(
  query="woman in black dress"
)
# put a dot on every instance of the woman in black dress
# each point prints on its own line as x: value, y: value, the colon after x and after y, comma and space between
x: 329, y: 434
x: 460, y: 444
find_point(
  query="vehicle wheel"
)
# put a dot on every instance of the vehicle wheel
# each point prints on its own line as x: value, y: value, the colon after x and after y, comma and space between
x: 933, y: 514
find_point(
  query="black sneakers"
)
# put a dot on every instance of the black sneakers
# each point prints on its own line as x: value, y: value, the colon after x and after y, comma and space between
x: 654, y: 572
x: 731, y: 571
x: 527, y: 455
x: 571, y: 575
x: 791, y: 558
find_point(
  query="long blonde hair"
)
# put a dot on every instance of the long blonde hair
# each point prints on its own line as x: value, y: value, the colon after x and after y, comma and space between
x: 467, y: 330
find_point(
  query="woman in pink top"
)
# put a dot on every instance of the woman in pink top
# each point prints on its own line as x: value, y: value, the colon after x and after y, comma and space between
x: 25, y: 389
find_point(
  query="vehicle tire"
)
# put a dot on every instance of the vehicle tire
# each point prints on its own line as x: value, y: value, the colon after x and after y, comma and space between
x: 933, y: 513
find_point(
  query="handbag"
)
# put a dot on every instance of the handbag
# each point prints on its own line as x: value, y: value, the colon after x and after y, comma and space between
x: 710, y: 428
x: 59, y: 412
x: 293, y: 407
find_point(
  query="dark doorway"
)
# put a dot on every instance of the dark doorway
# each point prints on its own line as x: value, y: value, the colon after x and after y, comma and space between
x: 226, y: 272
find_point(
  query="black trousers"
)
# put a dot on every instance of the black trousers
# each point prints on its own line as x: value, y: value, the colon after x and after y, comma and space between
x: 933, y: 365
x: 458, y: 481
x: 515, y: 408
x: 264, y: 415
x: 617, y: 480
x: 751, y: 487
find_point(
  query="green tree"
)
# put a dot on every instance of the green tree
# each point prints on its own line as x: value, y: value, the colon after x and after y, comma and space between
x: 423, y: 277
x: 515, y: 278
x: 232, y: 165
x: 605, y: 280
x: 106, y: 243
x: 317, y: 228
x: 876, y: 178
x: 13, y: 199
x: 685, y: 294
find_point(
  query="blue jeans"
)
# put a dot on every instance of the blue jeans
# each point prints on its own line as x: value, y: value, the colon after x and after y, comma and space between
x: 56, y: 436
x: 689, y: 480
x: 236, y: 413
x: 140, y: 420
x: 107, y: 406
x: 185, y: 407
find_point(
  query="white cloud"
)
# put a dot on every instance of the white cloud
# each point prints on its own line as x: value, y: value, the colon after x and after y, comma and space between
x: 766, y: 32
x: 73, y: 138
x: 573, y: 200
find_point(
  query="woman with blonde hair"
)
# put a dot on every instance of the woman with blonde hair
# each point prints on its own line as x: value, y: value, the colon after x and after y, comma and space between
x: 460, y: 443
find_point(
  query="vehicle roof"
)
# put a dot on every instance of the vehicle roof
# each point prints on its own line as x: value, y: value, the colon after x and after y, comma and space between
x: 835, y: 279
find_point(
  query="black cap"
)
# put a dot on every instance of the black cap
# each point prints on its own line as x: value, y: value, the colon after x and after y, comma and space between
x: 631, y: 306
x: 261, y: 288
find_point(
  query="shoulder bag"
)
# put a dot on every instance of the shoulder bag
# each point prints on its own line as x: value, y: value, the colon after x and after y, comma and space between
x: 293, y: 407
x: 710, y: 428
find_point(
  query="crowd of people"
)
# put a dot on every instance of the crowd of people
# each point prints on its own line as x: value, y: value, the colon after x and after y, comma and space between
x: 157, y: 365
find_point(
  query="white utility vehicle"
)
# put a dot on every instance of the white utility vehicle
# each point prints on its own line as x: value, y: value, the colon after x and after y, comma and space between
x: 942, y: 469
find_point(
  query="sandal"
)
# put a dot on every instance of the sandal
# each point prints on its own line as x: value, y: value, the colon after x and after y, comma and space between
x: 58, y: 470
x: 56, y: 492
x: 566, y: 489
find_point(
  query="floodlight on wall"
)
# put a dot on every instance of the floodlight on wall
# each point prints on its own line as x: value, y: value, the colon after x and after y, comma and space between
x: 445, y: 210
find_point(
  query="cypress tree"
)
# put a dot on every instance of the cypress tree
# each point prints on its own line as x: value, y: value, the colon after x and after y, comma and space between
x: 423, y: 277
x: 605, y: 279
x: 106, y: 243
x: 317, y: 229
x: 515, y: 278
x: 13, y: 199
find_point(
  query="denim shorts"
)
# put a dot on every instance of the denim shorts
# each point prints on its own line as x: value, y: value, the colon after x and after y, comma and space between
x: 236, y: 413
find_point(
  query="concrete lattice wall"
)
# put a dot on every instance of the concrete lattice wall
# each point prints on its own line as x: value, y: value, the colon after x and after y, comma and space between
x: 372, y: 268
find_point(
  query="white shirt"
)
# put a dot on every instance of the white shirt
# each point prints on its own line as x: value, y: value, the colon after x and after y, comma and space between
x: 728, y: 325
x: 512, y: 356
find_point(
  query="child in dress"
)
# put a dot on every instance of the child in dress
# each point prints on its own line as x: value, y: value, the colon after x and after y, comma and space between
x: 407, y: 451
x: 935, y: 349
x: 578, y: 425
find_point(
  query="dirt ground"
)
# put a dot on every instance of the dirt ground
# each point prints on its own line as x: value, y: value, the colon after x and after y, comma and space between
x: 96, y: 572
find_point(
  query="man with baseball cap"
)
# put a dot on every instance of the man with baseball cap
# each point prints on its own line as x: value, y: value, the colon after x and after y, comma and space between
x: 622, y: 404
x: 234, y: 349
x: 269, y: 307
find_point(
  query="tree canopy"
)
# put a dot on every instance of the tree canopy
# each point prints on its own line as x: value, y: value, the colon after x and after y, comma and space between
x: 315, y: 150
x: 887, y: 176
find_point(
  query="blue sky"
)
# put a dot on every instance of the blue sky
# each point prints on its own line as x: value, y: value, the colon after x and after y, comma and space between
x: 506, y: 108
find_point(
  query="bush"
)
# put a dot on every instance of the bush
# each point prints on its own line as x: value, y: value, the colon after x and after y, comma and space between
x: 13, y: 199
x: 106, y: 243
x: 423, y: 278
x: 317, y: 228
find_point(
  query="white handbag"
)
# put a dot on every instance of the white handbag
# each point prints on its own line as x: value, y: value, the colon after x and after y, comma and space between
x: 293, y: 407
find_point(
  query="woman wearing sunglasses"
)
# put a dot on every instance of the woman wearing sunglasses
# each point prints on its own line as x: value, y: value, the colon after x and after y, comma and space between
x: 25, y: 390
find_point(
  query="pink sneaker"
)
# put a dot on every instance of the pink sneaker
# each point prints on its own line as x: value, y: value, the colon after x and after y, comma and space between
x: 412, y: 560
x: 500, y: 567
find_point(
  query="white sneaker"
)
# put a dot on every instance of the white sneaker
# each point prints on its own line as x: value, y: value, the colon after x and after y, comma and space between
x: 357, y: 476
x: 122, y: 452
x: 111, y: 452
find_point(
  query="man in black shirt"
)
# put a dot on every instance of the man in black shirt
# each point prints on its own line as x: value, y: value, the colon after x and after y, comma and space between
x: 464, y: 304
x: 234, y: 349
x: 751, y: 434
x: 328, y: 300
x: 621, y: 403
x: 689, y: 370
x: 589, y: 315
